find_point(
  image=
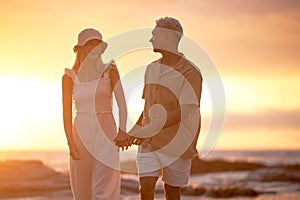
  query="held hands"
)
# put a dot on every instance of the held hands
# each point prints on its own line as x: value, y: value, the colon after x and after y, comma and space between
x: 123, y: 140
x: 141, y: 135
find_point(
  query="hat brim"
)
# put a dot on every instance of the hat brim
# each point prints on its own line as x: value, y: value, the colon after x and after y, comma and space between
x: 80, y: 45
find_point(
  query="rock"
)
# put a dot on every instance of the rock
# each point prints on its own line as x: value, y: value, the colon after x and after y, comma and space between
x: 231, y: 191
x: 193, y: 190
x: 274, y: 174
x: 19, y: 178
x: 16, y: 170
x: 201, y: 166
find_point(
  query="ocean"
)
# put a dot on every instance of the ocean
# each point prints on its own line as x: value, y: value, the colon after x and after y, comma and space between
x: 59, y: 160
x: 272, y: 183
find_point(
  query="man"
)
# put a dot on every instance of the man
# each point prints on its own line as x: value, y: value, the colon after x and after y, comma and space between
x: 168, y: 129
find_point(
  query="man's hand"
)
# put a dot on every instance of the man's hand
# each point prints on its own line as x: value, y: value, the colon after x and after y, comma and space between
x: 141, y: 141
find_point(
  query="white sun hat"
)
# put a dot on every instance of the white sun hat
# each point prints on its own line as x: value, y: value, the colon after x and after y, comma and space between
x: 87, y: 35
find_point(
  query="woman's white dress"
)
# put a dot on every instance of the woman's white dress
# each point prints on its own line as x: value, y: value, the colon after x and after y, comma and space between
x: 96, y: 175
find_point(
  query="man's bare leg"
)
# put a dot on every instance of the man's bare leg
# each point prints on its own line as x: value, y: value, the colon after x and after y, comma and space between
x: 147, y: 187
x: 171, y: 192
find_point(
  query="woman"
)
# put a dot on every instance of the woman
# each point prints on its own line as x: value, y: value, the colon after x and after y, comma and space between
x: 94, y: 162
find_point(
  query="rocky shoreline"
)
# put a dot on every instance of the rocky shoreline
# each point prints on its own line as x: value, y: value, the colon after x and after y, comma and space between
x: 31, y: 178
x: 196, y: 190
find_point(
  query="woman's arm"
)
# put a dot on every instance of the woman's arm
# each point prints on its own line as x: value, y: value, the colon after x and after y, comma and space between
x: 123, y: 139
x: 120, y: 97
x: 67, y: 90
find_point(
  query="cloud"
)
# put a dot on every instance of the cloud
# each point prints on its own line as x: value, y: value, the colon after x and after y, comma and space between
x: 246, y: 7
x: 273, y: 119
x: 260, y: 41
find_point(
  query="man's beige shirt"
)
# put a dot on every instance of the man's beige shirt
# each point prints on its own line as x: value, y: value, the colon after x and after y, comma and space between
x: 171, y: 87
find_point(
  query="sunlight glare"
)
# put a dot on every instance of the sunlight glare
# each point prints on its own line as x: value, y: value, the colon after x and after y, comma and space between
x: 135, y: 106
x: 25, y: 105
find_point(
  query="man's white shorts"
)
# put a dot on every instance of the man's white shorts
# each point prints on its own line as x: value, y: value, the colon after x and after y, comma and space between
x: 175, y: 171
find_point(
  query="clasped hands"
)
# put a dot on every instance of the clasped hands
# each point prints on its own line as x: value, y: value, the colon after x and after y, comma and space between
x: 124, y: 140
x: 142, y: 135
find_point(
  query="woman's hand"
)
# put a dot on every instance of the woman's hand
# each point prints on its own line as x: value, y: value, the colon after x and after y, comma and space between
x: 123, y: 140
x: 74, y: 151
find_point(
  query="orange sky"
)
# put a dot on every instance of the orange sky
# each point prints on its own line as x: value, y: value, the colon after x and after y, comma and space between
x: 254, y: 44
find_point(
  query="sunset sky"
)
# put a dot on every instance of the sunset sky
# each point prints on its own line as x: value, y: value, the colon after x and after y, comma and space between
x: 254, y: 44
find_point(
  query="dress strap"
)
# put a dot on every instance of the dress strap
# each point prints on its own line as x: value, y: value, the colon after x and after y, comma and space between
x: 110, y: 66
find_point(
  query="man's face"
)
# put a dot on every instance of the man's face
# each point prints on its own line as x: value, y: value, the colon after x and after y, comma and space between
x: 158, y: 39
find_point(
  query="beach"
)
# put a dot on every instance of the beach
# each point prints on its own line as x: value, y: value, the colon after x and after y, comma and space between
x: 211, y: 178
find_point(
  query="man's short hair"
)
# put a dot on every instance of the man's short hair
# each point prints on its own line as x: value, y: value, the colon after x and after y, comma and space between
x: 170, y: 23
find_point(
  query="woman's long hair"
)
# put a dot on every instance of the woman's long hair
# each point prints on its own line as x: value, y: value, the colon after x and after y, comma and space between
x: 82, y: 52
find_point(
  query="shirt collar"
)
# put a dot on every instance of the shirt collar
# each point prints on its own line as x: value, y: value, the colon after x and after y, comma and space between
x: 179, y: 65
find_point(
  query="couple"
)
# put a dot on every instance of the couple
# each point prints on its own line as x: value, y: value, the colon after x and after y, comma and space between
x: 166, y: 132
